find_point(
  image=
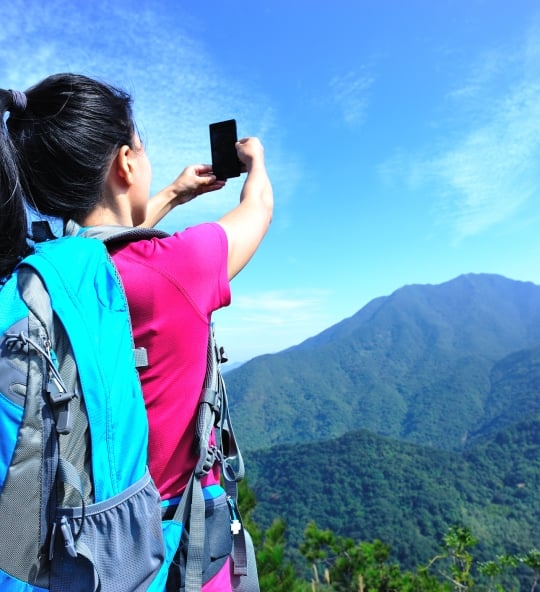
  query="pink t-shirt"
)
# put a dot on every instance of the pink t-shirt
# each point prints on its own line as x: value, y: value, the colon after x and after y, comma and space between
x: 173, y: 285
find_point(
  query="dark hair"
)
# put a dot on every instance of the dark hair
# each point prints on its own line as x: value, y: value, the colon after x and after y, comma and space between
x: 55, y: 152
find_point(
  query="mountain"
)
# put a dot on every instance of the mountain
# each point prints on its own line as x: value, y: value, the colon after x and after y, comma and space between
x: 514, y: 391
x: 365, y: 486
x: 435, y: 365
x: 229, y: 366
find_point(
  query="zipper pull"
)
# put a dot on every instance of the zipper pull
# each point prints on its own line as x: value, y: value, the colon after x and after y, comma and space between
x: 51, y: 543
x: 59, y: 396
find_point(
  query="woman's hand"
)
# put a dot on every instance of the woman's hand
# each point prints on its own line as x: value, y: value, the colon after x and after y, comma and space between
x: 250, y: 152
x: 194, y: 180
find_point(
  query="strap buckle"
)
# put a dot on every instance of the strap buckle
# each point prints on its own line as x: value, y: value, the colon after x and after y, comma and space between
x: 61, y: 398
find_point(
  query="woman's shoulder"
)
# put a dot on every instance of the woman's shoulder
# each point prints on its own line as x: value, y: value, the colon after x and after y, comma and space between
x: 204, y: 230
x: 193, y: 245
x: 209, y: 236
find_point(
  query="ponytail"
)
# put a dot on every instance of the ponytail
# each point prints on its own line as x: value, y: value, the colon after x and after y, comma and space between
x: 56, y: 147
x: 13, y: 219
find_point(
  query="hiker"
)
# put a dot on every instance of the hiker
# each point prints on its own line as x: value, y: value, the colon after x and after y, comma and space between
x: 73, y: 153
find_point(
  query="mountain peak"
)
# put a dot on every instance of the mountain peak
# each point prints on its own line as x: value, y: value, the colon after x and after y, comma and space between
x: 415, y: 365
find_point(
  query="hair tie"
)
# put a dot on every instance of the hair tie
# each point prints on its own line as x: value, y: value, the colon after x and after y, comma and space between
x: 19, y: 100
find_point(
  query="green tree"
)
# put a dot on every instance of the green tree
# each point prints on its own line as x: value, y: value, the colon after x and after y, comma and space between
x: 276, y: 573
x: 532, y: 561
x: 494, y: 570
x: 343, y: 565
x: 456, y: 557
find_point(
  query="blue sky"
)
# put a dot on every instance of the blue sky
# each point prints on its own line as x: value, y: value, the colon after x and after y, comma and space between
x: 402, y: 137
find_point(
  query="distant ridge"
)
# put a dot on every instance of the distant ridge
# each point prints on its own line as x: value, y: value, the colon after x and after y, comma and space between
x: 430, y: 364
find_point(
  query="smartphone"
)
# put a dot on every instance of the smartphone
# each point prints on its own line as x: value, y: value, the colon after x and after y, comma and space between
x: 225, y: 161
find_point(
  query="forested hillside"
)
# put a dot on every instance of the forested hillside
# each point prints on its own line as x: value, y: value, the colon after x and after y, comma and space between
x: 366, y: 487
x: 431, y: 365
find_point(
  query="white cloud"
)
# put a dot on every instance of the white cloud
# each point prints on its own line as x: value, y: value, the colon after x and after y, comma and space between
x: 350, y: 92
x: 493, y: 170
x: 487, y: 167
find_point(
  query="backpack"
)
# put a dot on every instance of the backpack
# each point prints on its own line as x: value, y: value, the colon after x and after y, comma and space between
x: 78, y: 509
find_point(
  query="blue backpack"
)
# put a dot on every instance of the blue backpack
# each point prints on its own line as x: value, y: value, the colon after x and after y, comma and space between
x: 79, y: 511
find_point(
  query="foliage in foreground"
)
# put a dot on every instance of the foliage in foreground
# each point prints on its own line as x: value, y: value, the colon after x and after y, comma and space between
x: 341, y: 564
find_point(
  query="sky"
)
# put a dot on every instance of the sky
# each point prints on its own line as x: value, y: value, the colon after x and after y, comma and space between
x: 402, y: 137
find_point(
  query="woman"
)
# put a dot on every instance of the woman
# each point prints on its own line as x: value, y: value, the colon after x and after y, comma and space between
x: 72, y: 151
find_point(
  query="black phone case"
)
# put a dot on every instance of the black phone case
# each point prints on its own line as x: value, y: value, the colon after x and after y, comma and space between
x: 223, y: 137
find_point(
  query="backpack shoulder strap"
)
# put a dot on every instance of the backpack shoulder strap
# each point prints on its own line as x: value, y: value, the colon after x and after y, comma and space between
x: 116, y: 235
x: 213, y: 412
x: 110, y: 234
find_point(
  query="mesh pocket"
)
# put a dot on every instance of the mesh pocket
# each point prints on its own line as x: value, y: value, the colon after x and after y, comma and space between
x: 119, y: 543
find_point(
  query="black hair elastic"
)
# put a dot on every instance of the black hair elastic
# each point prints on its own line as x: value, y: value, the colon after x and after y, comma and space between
x: 19, y: 100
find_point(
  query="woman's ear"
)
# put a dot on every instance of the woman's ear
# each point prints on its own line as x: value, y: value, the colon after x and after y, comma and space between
x: 123, y: 165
